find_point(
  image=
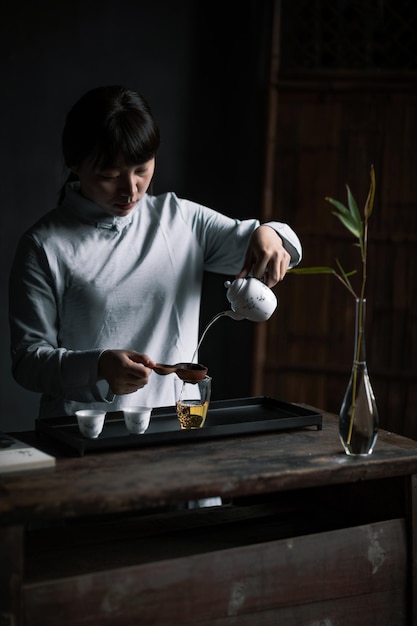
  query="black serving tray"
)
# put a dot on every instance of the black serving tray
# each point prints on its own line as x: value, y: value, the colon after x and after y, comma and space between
x: 225, y: 418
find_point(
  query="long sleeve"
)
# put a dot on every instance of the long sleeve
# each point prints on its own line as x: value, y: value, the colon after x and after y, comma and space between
x: 225, y: 239
x: 290, y: 240
x: 38, y: 362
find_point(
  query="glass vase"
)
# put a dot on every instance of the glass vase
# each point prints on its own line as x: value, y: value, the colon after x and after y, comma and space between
x: 358, y: 418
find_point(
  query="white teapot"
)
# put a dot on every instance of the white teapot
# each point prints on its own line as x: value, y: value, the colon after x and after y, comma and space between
x: 250, y: 299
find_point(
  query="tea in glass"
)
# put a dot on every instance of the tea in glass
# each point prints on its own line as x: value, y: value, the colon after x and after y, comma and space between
x: 193, y: 402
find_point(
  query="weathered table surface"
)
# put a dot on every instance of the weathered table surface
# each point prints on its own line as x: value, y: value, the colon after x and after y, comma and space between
x: 111, y: 482
x: 53, y: 561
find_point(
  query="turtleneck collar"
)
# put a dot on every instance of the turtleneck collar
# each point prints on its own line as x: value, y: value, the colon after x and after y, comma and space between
x: 91, y: 213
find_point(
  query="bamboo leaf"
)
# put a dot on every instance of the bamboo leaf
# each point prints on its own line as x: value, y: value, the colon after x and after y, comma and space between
x: 311, y: 270
x: 318, y: 270
x: 345, y: 274
x: 349, y: 223
x: 369, y: 205
x: 354, y: 211
x: 339, y: 205
x: 350, y: 220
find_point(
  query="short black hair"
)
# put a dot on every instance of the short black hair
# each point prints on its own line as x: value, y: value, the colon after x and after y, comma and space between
x: 106, y: 122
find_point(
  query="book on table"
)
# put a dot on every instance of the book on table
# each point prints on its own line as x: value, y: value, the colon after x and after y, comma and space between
x: 16, y: 455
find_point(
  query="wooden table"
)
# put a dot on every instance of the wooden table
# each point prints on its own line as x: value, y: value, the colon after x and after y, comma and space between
x: 307, y: 536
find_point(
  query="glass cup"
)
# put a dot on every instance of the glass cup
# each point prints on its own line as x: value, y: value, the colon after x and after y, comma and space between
x: 192, y: 404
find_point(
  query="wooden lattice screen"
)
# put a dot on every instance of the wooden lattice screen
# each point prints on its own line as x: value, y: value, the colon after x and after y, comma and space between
x: 327, y: 125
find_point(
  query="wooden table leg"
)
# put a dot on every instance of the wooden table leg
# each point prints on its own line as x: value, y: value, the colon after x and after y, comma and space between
x: 11, y: 575
x: 412, y: 533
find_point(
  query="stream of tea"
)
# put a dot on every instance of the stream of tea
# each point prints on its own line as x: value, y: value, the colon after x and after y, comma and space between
x: 209, y: 325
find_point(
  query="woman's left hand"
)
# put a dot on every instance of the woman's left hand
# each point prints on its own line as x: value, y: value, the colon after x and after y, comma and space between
x: 266, y: 258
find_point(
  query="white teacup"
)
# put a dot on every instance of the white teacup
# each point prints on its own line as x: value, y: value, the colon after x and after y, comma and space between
x: 90, y: 422
x: 137, y: 418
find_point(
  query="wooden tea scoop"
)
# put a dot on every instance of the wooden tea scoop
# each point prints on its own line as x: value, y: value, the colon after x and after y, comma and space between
x: 189, y: 372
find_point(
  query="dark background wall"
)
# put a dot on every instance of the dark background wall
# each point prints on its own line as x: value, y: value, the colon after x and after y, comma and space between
x: 204, y: 74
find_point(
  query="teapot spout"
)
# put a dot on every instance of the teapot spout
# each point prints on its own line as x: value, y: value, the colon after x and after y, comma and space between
x: 234, y: 315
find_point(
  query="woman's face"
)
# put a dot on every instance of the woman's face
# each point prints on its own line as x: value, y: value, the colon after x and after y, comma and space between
x: 115, y: 189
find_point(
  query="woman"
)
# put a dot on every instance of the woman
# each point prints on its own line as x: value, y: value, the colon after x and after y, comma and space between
x: 114, y: 274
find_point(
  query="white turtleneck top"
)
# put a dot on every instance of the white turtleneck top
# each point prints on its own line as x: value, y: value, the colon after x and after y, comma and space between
x: 84, y: 281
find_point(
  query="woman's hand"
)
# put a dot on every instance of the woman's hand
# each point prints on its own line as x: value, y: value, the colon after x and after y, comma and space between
x: 266, y: 257
x: 126, y: 371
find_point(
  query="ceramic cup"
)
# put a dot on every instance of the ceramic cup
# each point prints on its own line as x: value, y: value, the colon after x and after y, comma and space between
x: 137, y: 418
x: 90, y: 422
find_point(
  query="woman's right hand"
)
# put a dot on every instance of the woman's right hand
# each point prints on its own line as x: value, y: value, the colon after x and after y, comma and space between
x: 126, y: 371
